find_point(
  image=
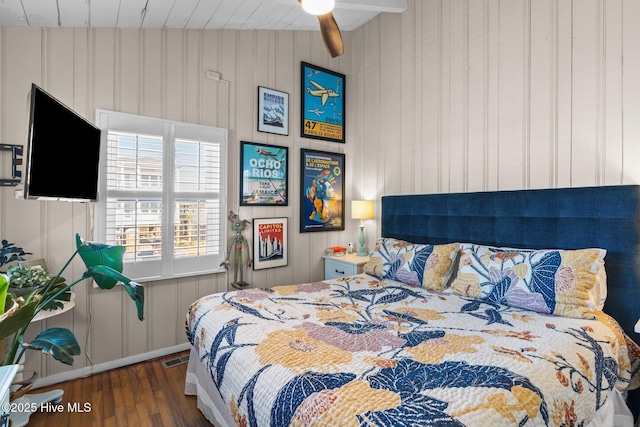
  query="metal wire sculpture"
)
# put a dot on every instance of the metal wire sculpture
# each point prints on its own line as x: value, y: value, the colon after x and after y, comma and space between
x: 237, y: 243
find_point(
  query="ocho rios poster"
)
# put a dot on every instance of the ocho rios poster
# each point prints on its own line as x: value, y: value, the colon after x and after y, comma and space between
x: 322, y: 207
x: 323, y: 103
x: 263, y: 180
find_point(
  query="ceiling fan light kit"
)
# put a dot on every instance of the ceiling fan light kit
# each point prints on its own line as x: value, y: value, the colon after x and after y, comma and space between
x: 318, y: 7
x: 328, y: 26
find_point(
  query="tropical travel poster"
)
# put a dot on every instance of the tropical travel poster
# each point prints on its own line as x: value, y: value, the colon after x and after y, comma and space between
x: 264, y: 176
x: 323, y: 94
x: 322, y: 201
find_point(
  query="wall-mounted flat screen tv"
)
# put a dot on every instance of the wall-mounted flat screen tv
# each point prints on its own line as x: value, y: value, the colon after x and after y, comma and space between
x: 62, y: 152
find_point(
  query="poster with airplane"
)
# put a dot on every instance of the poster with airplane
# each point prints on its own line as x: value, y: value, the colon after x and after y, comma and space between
x: 264, y: 174
x: 323, y: 100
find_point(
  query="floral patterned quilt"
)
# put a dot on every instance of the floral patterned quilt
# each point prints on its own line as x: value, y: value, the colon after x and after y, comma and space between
x: 357, y: 351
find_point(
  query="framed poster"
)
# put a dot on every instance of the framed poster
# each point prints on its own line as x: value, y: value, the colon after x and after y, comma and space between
x: 322, y: 199
x: 270, y: 244
x: 273, y: 111
x: 323, y: 95
x: 264, y: 174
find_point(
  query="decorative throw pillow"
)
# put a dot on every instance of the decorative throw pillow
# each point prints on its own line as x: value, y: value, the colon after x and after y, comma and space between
x: 429, y: 266
x: 560, y: 282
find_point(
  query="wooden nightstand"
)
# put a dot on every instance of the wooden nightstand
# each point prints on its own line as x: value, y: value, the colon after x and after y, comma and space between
x: 347, y: 265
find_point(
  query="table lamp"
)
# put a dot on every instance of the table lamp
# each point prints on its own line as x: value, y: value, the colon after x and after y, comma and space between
x: 362, y: 209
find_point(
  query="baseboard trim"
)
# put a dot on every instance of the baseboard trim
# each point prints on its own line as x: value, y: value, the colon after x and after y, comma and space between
x: 113, y: 364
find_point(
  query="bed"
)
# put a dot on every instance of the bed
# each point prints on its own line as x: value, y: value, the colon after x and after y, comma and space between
x: 475, y: 309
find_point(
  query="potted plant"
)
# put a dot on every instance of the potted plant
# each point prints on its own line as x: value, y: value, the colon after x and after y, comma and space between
x: 104, y: 265
x: 25, y: 280
x: 10, y: 252
x: 27, y: 277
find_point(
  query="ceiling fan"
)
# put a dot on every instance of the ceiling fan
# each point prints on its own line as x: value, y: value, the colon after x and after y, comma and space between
x: 328, y: 25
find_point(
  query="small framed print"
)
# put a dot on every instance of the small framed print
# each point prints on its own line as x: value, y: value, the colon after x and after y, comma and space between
x: 322, y: 191
x: 323, y: 103
x: 273, y: 111
x: 270, y: 244
x: 264, y: 176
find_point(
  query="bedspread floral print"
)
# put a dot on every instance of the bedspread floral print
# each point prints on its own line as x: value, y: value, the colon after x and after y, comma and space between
x: 359, y: 351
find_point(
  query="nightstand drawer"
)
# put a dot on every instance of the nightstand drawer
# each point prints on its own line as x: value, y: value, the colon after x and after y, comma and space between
x: 334, y: 268
x: 348, y: 265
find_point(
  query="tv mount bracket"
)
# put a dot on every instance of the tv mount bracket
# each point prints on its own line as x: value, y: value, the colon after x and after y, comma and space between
x: 16, y: 160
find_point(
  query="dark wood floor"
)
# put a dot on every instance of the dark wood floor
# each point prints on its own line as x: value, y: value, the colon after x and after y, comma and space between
x: 144, y: 394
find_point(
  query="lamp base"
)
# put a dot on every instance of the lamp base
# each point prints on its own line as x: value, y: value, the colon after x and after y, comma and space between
x: 362, y: 251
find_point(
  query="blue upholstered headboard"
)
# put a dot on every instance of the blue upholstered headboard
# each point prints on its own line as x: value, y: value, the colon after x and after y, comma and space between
x: 568, y: 218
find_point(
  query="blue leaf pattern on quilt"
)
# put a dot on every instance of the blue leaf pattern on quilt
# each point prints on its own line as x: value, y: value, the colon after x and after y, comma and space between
x: 390, y: 297
x: 543, y: 275
x: 609, y: 371
x: 410, y: 378
x: 471, y: 306
x: 386, y: 295
x: 415, y: 411
x: 405, y: 316
x: 245, y: 309
x: 226, y: 333
x: 499, y: 290
x: 248, y: 391
x: 298, y: 389
x: 395, y: 263
x: 414, y: 338
x: 362, y: 294
x: 419, y: 261
x: 494, y: 316
x: 221, y: 366
x: 356, y: 328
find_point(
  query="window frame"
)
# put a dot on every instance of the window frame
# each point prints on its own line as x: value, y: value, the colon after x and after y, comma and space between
x: 168, y: 265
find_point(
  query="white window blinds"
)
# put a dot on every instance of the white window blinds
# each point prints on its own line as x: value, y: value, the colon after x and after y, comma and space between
x: 161, y: 195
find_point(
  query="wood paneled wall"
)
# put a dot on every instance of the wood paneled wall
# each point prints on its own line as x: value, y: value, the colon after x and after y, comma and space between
x: 470, y: 95
x: 160, y: 74
x: 452, y: 95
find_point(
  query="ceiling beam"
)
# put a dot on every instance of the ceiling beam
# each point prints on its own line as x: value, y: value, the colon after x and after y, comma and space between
x: 391, y: 6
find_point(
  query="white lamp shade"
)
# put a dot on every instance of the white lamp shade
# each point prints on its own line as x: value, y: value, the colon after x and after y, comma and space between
x: 318, y: 7
x: 362, y: 209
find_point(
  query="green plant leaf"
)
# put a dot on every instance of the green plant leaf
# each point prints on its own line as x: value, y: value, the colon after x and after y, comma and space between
x: 105, y: 276
x: 17, y: 316
x: 59, y: 342
x: 98, y: 254
x: 135, y: 290
x: 4, y: 285
x: 10, y: 252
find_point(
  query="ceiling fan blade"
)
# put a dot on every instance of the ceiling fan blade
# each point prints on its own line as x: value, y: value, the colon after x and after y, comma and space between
x: 331, y: 34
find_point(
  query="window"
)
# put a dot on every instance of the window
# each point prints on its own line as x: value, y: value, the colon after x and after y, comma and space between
x: 161, y: 195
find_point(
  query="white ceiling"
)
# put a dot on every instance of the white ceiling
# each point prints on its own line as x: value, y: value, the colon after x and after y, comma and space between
x: 190, y: 14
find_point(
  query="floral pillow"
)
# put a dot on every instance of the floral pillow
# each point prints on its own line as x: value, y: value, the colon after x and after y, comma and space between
x: 560, y: 282
x: 429, y: 266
